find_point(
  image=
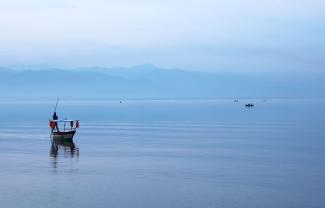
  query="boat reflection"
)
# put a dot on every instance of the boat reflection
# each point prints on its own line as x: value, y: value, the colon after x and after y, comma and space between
x: 62, y: 148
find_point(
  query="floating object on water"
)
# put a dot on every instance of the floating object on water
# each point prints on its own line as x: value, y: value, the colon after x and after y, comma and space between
x: 236, y: 101
x: 249, y: 105
x: 68, y: 131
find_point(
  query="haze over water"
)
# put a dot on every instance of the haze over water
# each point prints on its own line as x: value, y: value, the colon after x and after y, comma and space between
x: 206, y: 153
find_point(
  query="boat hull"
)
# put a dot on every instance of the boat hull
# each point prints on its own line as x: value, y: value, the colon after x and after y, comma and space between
x: 63, y: 135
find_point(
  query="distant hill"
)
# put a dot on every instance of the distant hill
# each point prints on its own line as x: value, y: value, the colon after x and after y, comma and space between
x: 150, y: 82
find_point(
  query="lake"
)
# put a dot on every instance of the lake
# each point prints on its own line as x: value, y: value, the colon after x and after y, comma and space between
x: 174, y: 153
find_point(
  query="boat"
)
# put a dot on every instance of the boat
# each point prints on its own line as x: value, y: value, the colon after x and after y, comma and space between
x: 68, y: 131
x: 62, y: 129
x: 249, y: 105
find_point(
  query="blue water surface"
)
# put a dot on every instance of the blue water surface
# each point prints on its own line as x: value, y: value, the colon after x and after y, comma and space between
x: 174, y: 153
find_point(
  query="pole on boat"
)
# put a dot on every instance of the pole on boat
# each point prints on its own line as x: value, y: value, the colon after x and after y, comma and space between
x: 56, y: 105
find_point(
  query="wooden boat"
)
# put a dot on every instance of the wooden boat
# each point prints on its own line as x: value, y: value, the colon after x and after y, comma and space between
x: 68, y: 131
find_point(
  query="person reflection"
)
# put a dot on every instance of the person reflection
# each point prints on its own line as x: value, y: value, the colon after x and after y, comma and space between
x: 64, y: 148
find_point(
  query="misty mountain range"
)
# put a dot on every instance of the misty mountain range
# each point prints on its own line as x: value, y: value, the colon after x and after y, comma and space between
x: 150, y: 82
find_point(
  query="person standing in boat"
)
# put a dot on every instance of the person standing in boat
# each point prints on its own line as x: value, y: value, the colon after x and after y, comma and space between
x: 56, y: 117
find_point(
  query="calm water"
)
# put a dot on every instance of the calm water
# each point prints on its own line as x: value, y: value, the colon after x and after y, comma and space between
x: 165, y: 154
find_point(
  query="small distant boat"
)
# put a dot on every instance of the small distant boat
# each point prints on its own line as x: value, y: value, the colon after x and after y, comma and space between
x: 62, y: 129
x: 236, y: 101
x: 249, y: 105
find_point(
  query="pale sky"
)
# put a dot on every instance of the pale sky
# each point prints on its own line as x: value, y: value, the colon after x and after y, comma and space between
x: 211, y: 35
